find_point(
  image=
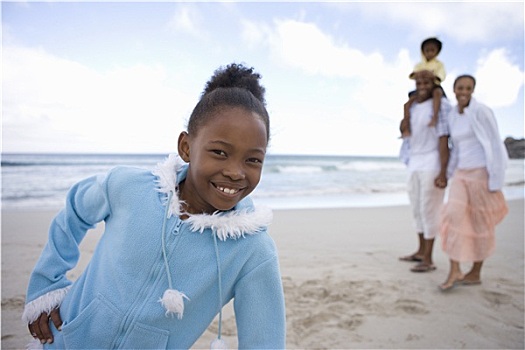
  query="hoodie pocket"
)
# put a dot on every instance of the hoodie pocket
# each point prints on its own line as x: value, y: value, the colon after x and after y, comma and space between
x: 95, y: 327
x: 142, y: 336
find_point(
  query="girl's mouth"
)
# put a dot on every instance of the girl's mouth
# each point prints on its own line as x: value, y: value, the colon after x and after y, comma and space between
x: 227, y: 190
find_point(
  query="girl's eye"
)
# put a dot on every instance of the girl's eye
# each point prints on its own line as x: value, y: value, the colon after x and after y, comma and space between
x: 219, y: 152
x: 255, y: 160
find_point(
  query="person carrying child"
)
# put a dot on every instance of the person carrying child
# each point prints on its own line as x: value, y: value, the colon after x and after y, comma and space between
x: 430, y: 49
x: 426, y: 155
x: 179, y: 243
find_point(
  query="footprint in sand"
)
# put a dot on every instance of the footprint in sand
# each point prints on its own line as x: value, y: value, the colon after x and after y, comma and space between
x: 495, y: 298
x: 13, y: 303
x: 318, y: 320
x: 7, y: 336
x: 412, y: 307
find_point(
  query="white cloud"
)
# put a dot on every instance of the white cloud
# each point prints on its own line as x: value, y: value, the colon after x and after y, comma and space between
x: 255, y: 34
x: 305, y: 46
x: 465, y: 21
x: 368, y: 100
x: 371, y: 100
x: 498, y: 80
x: 188, y: 19
x: 54, y: 104
x: 329, y: 96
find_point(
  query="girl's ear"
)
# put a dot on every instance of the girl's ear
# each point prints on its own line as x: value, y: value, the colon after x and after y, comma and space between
x: 184, y: 146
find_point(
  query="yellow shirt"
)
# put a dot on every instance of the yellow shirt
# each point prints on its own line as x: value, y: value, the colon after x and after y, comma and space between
x: 434, y: 65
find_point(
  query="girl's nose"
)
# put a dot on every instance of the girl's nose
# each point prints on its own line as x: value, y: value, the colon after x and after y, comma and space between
x: 234, y: 172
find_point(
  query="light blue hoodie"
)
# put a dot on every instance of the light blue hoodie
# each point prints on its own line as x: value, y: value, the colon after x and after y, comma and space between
x: 116, y: 302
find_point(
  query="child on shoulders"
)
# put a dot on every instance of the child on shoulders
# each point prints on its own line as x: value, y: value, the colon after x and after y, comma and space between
x: 430, y: 49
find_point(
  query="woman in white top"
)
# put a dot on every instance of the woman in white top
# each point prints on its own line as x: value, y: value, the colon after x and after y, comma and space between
x: 475, y: 203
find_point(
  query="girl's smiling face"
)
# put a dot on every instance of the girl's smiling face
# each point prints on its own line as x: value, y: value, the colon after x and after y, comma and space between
x: 430, y: 51
x: 225, y: 159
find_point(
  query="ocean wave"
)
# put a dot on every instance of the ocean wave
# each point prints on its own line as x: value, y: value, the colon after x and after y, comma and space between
x: 49, y: 164
x: 308, y: 191
x: 43, y: 180
x: 17, y: 197
x: 371, y: 166
x: 515, y: 183
x: 74, y: 160
x: 361, y: 167
x: 294, y: 169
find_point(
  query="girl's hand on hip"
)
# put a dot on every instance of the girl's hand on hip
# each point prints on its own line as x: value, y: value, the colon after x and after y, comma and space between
x: 40, y: 328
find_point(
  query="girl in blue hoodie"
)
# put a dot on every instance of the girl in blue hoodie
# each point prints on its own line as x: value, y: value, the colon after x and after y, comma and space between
x: 179, y: 242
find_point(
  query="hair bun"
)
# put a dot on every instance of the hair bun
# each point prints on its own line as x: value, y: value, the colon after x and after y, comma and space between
x: 236, y: 76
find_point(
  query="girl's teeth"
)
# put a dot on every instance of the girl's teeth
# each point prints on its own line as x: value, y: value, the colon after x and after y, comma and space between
x: 227, y: 190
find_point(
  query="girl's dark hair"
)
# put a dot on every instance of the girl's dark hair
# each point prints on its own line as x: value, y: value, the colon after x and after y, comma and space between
x: 435, y: 41
x: 465, y: 76
x: 234, y: 86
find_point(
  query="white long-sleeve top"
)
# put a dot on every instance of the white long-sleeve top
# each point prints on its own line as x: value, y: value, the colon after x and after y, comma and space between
x: 485, y: 128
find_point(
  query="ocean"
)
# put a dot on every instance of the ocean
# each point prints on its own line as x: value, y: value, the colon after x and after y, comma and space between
x: 41, y: 181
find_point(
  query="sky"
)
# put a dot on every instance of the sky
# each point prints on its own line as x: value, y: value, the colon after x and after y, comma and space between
x: 123, y: 77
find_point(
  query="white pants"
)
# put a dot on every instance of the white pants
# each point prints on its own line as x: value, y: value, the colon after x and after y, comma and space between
x: 427, y: 201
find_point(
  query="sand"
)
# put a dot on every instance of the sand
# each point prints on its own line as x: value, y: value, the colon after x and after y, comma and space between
x: 344, y: 285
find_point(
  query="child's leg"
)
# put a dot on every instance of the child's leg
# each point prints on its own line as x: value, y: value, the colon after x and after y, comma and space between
x: 408, y: 104
x: 437, y: 94
x: 406, y: 116
x: 404, y: 127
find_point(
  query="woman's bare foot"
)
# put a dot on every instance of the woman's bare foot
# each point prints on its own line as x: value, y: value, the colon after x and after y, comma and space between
x: 451, y: 282
x: 471, y: 279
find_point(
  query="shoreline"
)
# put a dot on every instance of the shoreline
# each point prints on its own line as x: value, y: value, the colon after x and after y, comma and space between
x: 307, y: 202
x: 344, y: 285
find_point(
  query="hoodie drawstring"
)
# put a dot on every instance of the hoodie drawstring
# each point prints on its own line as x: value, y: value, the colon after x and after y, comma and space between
x: 164, y: 241
x: 172, y: 300
x: 219, y: 342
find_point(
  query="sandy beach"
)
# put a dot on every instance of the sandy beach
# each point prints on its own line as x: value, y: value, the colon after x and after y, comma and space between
x: 345, y: 287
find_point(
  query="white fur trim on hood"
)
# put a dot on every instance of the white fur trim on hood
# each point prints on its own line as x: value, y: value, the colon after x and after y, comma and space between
x: 166, y: 173
x: 232, y: 224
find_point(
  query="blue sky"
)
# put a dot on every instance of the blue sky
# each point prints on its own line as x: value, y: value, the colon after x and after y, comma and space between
x: 124, y: 76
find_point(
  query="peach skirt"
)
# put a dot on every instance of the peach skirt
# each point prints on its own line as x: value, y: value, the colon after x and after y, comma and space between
x: 470, y: 216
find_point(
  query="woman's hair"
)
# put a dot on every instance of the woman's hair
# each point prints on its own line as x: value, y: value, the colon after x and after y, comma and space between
x: 465, y: 76
x: 231, y: 86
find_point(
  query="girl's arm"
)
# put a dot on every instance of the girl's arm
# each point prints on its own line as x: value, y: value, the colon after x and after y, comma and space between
x: 86, y: 205
x: 259, y: 308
